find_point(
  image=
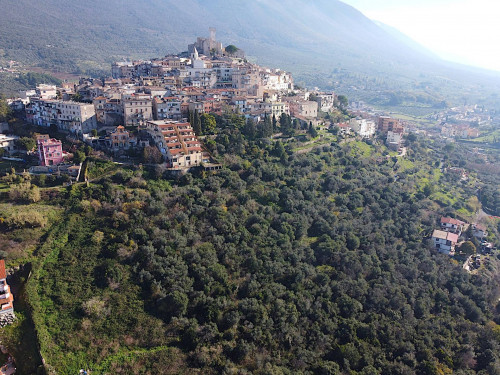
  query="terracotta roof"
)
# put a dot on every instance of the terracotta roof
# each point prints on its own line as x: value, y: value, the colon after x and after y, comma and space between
x: 445, y: 236
x: 3, y: 274
x: 452, y: 237
x: 449, y: 220
x: 480, y: 227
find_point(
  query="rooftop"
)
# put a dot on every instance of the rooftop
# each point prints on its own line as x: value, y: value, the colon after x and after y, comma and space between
x: 3, y: 273
x: 449, y: 220
x: 445, y: 236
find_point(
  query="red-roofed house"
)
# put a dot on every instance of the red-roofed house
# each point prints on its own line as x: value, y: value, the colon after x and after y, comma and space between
x: 479, y: 231
x: 452, y: 225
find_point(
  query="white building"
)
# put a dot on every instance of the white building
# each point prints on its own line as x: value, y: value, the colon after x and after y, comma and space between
x: 394, y: 140
x: 8, y: 142
x: 479, y: 231
x: 46, y: 91
x: 444, y: 242
x: 74, y: 117
x: 167, y: 108
x: 274, y: 108
x: 364, y: 128
x: 452, y: 225
x: 6, y: 297
x: 277, y: 79
x: 326, y: 102
x: 302, y: 108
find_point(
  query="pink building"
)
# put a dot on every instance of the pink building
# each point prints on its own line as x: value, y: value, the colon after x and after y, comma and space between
x: 49, y: 151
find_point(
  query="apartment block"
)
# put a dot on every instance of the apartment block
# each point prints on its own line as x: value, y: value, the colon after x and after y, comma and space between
x: 137, y: 108
x: 177, y: 142
x: 74, y: 117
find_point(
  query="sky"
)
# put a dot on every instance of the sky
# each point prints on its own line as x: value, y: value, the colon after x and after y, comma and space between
x: 464, y: 31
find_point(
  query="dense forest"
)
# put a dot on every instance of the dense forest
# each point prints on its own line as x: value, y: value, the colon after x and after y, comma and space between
x: 281, y: 263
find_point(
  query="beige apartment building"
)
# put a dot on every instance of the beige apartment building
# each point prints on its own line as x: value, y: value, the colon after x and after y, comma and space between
x: 137, y: 108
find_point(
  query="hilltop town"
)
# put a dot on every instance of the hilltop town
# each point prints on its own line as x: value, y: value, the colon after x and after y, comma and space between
x: 164, y: 105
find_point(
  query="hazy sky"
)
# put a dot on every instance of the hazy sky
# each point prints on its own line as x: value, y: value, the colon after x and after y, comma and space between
x: 466, y: 31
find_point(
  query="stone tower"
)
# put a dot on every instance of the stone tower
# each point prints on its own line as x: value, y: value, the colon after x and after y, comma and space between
x: 212, y: 35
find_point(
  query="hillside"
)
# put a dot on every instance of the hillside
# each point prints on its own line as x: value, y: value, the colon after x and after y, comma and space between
x: 280, y: 263
x: 324, y: 43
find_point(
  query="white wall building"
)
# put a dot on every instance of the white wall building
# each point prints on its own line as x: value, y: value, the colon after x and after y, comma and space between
x: 364, y: 128
x: 444, y: 242
x: 8, y: 142
x: 74, y: 117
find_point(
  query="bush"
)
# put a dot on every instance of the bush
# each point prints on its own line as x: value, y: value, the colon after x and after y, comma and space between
x: 25, y: 192
x: 26, y: 219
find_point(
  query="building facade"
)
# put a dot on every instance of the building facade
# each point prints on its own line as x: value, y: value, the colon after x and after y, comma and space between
x: 50, y: 151
x: 177, y: 142
x: 444, y: 242
x: 137, y: 108
x: 74, y: 117
x: 8, y: 143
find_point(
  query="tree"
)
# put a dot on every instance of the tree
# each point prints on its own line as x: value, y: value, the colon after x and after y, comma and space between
x: 4, y: 109
x: 411, y: 138
x: 78, y: 157
x: 27, y: 143
x: 428, y: 189
x: 197, y: 123
x: 77, y: 97
x: 286, y: 123
x: 94, y: 132
x: 208, y: 123
x: 267, y: 130
x: 152, y: 155
x: 279, y: 149
x: 343, y: 101
x: 231, y: 49
x: 467, y: 248
x: 250, y: 129
x: 25, y: 192
x: 174, y: 304
x: 312, y: 131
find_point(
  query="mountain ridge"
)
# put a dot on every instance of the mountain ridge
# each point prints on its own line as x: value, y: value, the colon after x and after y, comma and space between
x: 315, y: 40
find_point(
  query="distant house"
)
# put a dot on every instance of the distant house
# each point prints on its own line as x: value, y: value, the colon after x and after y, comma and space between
x: 6, y: 298
x: 120, y: 139
x: 458, y: 172
x: 344, y: 128
x: 386, y: 124
x: 452, y: 225
x: 8, y: 142
x: 479, y: 231
x: 364, y: 128
x: 394, y: 139
x: 74, y: 117
x: 444, y: 242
